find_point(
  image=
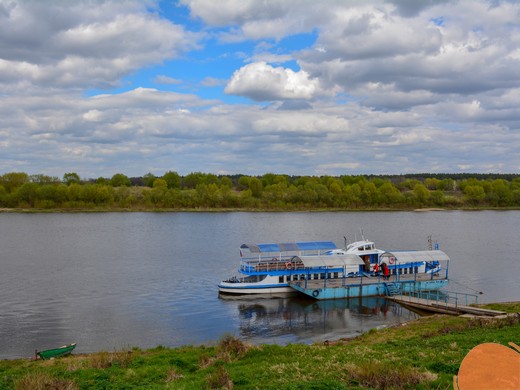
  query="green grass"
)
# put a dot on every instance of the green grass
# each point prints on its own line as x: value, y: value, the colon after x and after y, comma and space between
x: 423, y: 354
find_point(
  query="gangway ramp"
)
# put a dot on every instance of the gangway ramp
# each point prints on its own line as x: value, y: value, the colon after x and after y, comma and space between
x: 437, y: 305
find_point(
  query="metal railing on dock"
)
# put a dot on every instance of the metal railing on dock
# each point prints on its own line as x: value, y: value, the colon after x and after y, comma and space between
x: 445, y: 297
x: 447, y: 302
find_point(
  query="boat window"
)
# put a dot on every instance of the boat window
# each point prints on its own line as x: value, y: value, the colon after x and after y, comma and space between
x: 416, y: 269
x: 254, y: 278
x: 360, y: 248
x: 280, y: 279
x: 367, y: 247
x: 335, y: 275
x: 316, y: 276
x: 322, y: 276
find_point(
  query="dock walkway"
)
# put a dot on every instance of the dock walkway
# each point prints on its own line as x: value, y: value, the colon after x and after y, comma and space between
x: 439, y: 306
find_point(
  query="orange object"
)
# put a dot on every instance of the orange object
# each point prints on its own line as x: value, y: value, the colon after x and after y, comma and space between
x: 489, y: 366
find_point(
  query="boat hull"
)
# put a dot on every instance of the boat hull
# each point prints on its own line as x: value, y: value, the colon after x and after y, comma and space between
x: 369, y: 289
x: 57, y: 352
x: 254, y: 290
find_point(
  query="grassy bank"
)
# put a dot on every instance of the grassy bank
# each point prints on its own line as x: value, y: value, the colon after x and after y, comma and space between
x: 421, y: 354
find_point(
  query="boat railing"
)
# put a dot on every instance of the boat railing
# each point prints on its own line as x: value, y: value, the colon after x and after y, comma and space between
x: 444, y: 298
x: 272, y: 263
x: 440, y: 272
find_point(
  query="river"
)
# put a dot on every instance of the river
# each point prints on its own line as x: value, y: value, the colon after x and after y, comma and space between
x: 110, y: 281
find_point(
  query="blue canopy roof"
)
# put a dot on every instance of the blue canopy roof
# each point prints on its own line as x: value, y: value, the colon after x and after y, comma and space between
x: 290, y: 246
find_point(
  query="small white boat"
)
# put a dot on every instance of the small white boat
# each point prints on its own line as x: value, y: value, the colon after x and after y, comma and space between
x: 269, y: 268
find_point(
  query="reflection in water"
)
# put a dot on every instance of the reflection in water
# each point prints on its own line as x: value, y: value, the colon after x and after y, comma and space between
x: 293, y: 319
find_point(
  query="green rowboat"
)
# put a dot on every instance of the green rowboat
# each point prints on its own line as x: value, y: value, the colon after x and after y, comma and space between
x: 57, y: 352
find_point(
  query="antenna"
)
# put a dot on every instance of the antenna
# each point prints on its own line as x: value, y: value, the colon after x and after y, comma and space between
x: 430, y: 247
x: 345, y: 241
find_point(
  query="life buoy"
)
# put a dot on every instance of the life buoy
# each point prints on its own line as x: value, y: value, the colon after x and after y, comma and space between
x: 315, y: 293
x: 392, y: 260
x: 288, y: 265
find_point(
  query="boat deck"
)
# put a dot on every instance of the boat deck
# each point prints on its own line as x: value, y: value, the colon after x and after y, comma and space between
x: 342, y: 282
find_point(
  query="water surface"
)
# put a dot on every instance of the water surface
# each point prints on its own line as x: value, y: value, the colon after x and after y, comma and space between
x: 116, y: 280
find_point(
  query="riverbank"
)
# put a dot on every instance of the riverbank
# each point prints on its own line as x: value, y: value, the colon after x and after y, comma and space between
x: 425, y: 353
x: 94, y: 210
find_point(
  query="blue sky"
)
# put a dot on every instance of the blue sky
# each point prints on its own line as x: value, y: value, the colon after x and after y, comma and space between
x: 242, y: 86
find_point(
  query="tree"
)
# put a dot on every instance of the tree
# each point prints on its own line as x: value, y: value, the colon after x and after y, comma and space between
x: 256, y: 187
x: 160, y: 183
x: 370, y: 194
x: 193, y: 179
x: 226, y: 182
x: 432, y: 183
x: 43, y: 179
x: 27, y: 193
x: 11, y: 181
x: 120, y: 180
x: 421, y: 194
x: 474, y: 194
x: 173, y: 179
x: 500, y: 194
x: 148, y: 179
x: 390, y: 195
x: 70, y: 178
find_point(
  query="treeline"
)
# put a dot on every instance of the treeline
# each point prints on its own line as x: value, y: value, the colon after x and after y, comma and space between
x: 267, y: 192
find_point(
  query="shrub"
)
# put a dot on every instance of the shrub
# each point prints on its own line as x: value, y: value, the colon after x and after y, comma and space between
x: 219, y: 379
x: 41, y: 381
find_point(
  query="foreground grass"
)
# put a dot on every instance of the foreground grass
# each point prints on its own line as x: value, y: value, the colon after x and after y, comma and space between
x: 423, y: 354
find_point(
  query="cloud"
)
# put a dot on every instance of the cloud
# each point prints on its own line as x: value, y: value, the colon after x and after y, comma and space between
x: 410, y: 8
x: 380, y: 87
x: 213, y: 82
x: 161, y: 79
x: 295, y: 105
x: 77, y: 45
x: 260, y: 81
x: 252, y: 19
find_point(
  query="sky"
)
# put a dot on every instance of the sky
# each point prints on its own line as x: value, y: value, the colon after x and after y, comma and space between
x: 295, y: 87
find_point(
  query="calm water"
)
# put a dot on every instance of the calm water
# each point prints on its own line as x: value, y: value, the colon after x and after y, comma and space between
x: 115, y: 280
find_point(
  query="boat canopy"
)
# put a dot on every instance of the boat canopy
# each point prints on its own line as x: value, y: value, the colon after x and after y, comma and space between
x: 331, y: 261
x: 414, y: 256
x: 290, y: 246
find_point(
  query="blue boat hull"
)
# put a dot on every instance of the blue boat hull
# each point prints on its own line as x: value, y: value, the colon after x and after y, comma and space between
x: 370, y: 289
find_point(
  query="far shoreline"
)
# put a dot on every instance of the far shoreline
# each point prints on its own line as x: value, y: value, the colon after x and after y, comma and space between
x: 241, y: 210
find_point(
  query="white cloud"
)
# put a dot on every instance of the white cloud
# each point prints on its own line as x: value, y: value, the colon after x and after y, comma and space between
x: 252, y: 19
x: 76, y: 44
x: 366, y: 45
x: 388, y: 87
x: 260, y: 81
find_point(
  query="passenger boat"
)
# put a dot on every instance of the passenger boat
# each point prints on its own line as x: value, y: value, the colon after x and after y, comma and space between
x: 56, y: 352
x: 269, y: 268
x: 323, y: 271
